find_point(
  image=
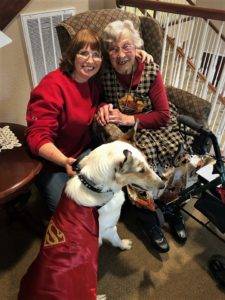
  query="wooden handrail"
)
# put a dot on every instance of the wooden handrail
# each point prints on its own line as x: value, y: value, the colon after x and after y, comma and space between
x: 191, y: 2
x: 194, y: 11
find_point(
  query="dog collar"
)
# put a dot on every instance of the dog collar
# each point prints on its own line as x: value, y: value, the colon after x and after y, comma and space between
x: 91, y: 185
x: 75, y: 165
x: 87, y: 182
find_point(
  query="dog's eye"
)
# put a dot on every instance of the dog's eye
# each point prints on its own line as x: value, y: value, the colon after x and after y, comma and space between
x: 142, y: 170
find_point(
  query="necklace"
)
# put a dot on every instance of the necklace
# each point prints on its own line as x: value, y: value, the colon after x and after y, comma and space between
x: 126, y: 102
x: 131, y: 82
x: 132, y: 102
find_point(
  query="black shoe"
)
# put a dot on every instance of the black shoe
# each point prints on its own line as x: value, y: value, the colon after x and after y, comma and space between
x: 216, y: 267
x: 175, y: 220
x: 156, y: 237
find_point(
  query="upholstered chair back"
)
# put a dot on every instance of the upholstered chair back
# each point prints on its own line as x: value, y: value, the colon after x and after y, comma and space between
x: 97, y: 20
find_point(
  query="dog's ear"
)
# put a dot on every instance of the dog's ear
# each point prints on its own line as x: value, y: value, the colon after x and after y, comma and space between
x: 130, y: 134
x: 124, y: 166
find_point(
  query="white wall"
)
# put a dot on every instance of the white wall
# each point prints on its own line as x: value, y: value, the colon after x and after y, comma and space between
x: 218, y: 4
x: 15, y: 82
x: 96, y: 4
x: 99, y: 4
x: 109, y: 3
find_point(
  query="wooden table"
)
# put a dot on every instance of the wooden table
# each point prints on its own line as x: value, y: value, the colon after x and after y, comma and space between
x: 18, y: 169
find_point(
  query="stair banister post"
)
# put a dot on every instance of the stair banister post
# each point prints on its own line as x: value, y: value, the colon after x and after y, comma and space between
x: 218, y: 89
x: 199, y: 56
x: 186, y: 56
x: 164, y: 42
x: 174, y: 51
x: 212, y: 63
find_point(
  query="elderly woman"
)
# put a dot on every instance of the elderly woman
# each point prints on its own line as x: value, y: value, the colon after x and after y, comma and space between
x: 135, y: 91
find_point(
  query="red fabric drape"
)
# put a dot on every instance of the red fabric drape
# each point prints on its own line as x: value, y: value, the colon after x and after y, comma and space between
x: 66, y: 266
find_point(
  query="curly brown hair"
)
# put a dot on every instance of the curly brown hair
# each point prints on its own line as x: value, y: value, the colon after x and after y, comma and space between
x: 83, y: 38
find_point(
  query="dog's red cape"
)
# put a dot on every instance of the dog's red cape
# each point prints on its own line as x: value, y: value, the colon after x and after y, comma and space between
x: 66, y: 266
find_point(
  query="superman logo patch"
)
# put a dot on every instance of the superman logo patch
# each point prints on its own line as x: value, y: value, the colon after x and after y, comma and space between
x: 53, y: 236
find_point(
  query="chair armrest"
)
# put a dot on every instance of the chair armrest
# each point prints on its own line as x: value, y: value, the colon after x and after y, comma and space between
x: 189, y: 104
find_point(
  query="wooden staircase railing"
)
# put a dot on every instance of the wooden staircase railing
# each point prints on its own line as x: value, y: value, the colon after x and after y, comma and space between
x: 194, y: 11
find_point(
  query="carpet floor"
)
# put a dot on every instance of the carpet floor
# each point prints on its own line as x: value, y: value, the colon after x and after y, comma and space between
x: 137, y: 274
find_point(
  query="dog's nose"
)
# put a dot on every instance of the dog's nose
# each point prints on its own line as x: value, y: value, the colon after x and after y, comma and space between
x: 161, y: 185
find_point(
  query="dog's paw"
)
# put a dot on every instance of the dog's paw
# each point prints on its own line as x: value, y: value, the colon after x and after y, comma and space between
x: 101, y: 297
x: 126, y: 244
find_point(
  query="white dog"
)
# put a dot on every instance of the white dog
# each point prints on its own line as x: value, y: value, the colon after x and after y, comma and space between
x: 67, y: 263
x: 111, y: 167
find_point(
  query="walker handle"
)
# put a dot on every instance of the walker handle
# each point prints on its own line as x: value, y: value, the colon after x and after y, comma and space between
x: 190, y: 122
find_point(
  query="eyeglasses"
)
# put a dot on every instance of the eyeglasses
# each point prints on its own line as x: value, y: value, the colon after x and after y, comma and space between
x: 126, y: 48
x: 85, y: 55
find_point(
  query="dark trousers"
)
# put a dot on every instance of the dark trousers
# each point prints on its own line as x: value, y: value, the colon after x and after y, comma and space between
x: 146, y: 216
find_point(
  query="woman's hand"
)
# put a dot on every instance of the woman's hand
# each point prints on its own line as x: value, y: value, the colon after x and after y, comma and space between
x: 119, y: 118
x: 107, y: 114
x: 68, y: 166
x: 144, y: 56
x: 50, y: 152
x: 103, y: 113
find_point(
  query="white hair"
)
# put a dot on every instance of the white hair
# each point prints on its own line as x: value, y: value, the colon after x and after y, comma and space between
x: 117, y: 28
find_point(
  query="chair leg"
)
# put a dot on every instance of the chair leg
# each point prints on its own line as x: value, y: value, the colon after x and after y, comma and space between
x: 15, y: 206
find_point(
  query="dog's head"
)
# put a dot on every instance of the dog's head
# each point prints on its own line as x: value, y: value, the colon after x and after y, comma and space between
x: 118, y: 164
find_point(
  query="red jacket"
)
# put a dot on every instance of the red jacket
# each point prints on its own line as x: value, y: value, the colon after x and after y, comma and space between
x: 61, y: 110
x: 66, y: 266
